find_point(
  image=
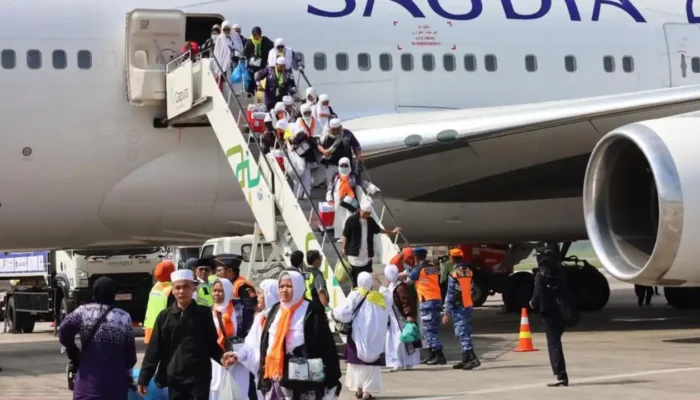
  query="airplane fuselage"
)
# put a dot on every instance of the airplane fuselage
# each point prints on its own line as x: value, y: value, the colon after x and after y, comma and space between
x: 81, y: 167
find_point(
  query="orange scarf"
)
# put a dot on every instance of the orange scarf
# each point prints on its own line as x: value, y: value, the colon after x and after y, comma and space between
x: 229, y: 328
x: 345, y: 189
x: 274, y: 361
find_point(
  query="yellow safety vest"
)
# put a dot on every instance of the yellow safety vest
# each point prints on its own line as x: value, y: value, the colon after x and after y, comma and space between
x: 204, y: 297
x: 157, y: 302
x: 309, y: 286
x: 212, y: 279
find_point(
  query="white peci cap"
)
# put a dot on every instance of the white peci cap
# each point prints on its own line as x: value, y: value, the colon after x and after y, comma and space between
x: 281, y: 61
x: 335, y: 123
x: 182, y: 275
x: 279, y: 42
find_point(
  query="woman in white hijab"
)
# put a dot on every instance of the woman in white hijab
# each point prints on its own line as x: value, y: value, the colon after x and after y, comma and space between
x: 294, y: 328
x: 226, y: 322
x: 311, y: 99
x: 324, y: 112
x: 342, y: 193
x: 225, y: 49
x: 368, y: 312
x: 403, y: 308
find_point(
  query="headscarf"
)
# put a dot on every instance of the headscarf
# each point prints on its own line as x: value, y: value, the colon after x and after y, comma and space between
x: 104, y: 291
x: 228, y: 295
x: 270, y: 293
x: 288, y: 328
x: 391, y: 272
x: 311, y: 92
x: 163, y: 271
x: 344, y: 187
x: 366, y: 205
x: 364, y: 286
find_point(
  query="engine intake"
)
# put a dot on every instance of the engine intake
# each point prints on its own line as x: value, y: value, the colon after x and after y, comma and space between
x: 641, y: 202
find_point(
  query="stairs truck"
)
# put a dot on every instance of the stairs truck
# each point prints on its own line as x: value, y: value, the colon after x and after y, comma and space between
x: 48, y: 285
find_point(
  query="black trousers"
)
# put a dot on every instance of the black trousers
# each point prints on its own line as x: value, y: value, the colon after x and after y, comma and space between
x: 195, y: 391
x: 554, y: 328
x: 644, y: 294
x: 356, y: 271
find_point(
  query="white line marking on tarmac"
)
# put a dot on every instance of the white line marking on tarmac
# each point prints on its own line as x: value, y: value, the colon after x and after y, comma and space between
x: 573, y: 382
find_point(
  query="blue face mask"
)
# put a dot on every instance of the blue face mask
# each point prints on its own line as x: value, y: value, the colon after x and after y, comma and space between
x: 214, y: 36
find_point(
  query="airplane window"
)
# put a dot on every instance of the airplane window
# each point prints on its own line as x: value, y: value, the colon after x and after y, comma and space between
x: 34, y: 59
x: 8, y: 59
x: 385, y: 62
x: 694, y: 64
x: 609, y: 63
x: 470, y: 62
x: 407, y: 62
x: 570, y: 63
x: 320, y: 61
x: 84, y: 59
x: 449, y: 62
x: 363, y: 62
x: 490, y: 63
x: 298, y: 60
x: 428, y: 62
x: 59, y: 60
x: 342, y: 62
x: 628, y: 64
x: 530, y: 63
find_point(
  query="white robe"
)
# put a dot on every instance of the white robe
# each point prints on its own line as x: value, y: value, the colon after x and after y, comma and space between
x: 238, y: 372
x: 369, y: 329
x: 223, y: 52
x: 341, y: 213
x: 288, y: 55
x: 396, y: 353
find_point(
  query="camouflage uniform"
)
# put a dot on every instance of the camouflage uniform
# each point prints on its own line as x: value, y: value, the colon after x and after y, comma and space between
x: 462, y: 317
x: 430, y: 316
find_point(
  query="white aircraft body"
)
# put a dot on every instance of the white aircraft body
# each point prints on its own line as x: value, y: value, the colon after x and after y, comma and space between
x: 523, y: 89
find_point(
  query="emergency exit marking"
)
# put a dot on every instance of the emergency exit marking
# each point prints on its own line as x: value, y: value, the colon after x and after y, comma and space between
x: 424, y: 35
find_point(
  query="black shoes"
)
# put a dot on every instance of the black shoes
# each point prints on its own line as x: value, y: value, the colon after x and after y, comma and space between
x: 438, y: 358
x: 472, y: 361
x: 461, y: 364
x: 562, y: 380
x: 431, y: 356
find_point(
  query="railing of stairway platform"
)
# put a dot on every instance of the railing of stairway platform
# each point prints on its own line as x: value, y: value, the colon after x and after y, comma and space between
x: 363, y: 170
x: 314, y: 210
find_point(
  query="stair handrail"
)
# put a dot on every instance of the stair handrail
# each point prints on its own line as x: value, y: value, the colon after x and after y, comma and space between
x: 267, y: 161
x: 362, y: 169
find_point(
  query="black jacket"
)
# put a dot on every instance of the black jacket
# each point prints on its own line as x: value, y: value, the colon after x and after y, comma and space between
x: 353, y: 234
x: 265, y: 47
x: 318, y: 343
x: 550, y: 285
x: 182, y: 344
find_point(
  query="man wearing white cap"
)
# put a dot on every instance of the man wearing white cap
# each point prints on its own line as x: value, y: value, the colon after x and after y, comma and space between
x: 358, y: 239
x: 183, y: 343
x: 282, y: 51
x: 339, y: 143
x: 278, y: 82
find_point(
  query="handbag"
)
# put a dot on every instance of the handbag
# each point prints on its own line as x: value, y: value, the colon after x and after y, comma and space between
x: 345, y: 328
x: 72, y: 367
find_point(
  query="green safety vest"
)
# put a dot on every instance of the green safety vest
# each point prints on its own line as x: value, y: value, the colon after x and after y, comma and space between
x: 309, y: 286
x: 157, y: 302
x: 204, y: 297
x: 212, y: 279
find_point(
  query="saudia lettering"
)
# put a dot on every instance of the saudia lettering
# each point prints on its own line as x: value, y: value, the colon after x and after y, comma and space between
x: 477, y: 7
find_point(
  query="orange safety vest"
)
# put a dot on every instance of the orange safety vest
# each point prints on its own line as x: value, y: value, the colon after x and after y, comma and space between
x: 310, y: 129
x: 464, y: 278
x: 228, y: 329
x: 428, y: 283
x: 237, y: 285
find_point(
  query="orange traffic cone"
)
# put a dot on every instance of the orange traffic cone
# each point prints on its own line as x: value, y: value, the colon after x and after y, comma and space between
x: 525, y: 340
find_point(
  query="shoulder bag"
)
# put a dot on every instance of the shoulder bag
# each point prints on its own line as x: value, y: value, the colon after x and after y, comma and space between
x: 72, y: 367
x: 345, y: 328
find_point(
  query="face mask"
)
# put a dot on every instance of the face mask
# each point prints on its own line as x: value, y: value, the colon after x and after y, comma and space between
x: 344, y: 171
x: 307, y: 118
x: 214, y: 36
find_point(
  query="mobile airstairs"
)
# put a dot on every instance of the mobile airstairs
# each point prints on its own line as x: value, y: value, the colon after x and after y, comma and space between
x: 192, y: 94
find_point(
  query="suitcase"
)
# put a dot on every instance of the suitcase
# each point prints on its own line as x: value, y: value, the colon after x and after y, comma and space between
x: 279, y: 156
x: 327, y: 213
x: 256, y: 116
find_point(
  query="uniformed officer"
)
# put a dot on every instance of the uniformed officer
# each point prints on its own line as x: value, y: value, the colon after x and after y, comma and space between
x: 202, y: 271
x: 426, y: 277
x: 458, y: 302
x: 315, y: 282
x: 160, y: 298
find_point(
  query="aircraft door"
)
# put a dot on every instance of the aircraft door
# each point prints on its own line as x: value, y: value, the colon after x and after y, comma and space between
x: 683, y: 43
x: 153, y: 37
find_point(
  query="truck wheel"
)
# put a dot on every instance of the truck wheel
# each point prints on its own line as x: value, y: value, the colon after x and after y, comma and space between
x: 591, y: 289
x: 519, y: 291
x: 28, y: 323
x: 14, y: 318
x: 480, y: 290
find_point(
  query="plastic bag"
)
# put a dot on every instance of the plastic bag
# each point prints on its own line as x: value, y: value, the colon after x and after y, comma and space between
x: 228, y: 389
x: 153, y: 392
x: 409, y: 333
x: 341, y: 273
x: 238, y: 73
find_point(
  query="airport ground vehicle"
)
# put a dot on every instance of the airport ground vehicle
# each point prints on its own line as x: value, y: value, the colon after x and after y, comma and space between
x: 259, y: 258
x: 494, y: 274
x: 47, y: 285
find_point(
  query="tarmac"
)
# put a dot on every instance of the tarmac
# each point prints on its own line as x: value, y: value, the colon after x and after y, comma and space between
x: 624, y: 351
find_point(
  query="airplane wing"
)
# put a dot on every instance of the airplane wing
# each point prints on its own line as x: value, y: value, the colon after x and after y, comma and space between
x: 388, y: 139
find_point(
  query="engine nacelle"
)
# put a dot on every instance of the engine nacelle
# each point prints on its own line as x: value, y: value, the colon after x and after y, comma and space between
x: 641, y: 202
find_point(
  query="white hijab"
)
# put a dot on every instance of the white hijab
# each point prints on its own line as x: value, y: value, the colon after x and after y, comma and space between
x: 270, y: 292
x: 228, y: 295
x: 364, y: 280
x: 295, y: 335
x: 391, y: 272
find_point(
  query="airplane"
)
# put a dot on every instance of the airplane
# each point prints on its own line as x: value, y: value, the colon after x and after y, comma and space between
x: 477, y: 120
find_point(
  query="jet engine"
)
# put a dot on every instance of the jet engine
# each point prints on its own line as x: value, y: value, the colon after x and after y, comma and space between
x: 641, y: 203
